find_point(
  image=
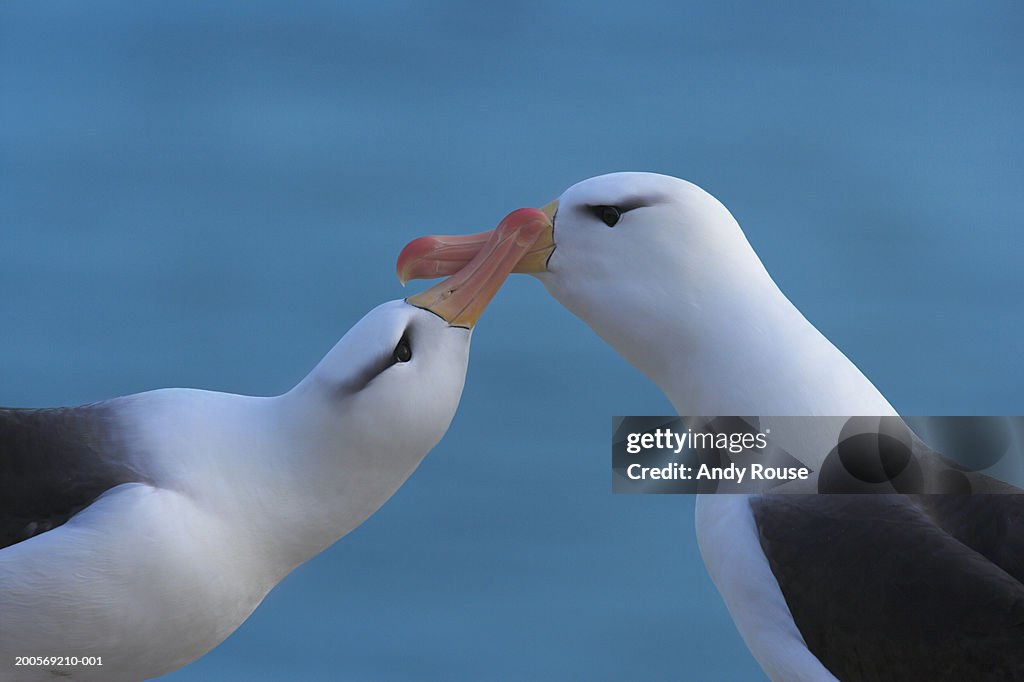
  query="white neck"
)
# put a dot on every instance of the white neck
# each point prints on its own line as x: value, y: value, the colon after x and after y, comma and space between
x: 726, y: 343
x: 284, y: 487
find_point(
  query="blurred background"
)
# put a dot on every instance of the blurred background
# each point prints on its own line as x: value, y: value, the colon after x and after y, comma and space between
x: 210, y: 196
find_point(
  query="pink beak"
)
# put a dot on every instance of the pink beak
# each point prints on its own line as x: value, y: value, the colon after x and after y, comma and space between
x: 478, y: 265
x: 438, y: 256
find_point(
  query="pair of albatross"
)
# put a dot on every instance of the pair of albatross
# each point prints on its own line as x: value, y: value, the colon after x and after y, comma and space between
x: 872, y: 587
x: 178, y: 510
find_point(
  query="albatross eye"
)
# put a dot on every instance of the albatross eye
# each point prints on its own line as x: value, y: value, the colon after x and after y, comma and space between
x: 609, y: 215
x: 403, y: 351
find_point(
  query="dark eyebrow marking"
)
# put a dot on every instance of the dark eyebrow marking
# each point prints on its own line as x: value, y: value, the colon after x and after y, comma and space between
x: 373, y: 370
x: 625, y: 205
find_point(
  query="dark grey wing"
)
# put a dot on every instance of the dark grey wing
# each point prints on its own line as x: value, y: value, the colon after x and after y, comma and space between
x: 53, y: 464
x: 881, y: 591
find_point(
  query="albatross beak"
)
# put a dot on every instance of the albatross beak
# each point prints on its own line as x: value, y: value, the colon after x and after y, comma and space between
x: 429, y: 257
x: 478, y: 272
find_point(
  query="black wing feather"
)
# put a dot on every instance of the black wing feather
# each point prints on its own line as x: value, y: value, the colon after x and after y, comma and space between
x: 891, y: 587
x: 54, y: 463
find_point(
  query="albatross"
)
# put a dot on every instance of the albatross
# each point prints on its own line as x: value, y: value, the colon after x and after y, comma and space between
x: 820, y: 587
x: 137, y: 533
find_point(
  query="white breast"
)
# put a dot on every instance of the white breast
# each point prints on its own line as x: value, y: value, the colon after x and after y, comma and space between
x: 137, y: 545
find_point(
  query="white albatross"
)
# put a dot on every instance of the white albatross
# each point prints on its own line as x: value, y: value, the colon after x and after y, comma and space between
x: 820, y: 587
x: 140, y: 532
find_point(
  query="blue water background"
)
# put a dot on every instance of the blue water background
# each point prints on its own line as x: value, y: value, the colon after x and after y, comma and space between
x: 209, y: 196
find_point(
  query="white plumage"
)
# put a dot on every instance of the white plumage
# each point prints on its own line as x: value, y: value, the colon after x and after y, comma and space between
x: 234, y: 493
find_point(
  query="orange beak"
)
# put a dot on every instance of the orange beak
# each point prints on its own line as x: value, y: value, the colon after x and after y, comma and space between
x: 429, y: 257
x: 478, y: 268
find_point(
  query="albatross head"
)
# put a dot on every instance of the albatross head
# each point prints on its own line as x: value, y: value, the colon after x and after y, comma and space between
x: 387, y: 391
x: 397, y: 376
x: 632, y: 248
